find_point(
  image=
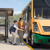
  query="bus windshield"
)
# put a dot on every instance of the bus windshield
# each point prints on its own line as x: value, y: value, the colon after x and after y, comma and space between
x: 42, y: 13
x: 41, y: 9
x: 46, y: 28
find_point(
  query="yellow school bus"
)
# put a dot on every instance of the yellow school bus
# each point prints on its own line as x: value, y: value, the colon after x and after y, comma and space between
x: 37, y: 15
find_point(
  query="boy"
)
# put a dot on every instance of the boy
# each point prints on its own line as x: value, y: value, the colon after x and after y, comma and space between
x: 14, y: 29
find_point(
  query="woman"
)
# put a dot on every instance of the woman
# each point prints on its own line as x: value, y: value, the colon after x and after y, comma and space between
x: 20, y: 25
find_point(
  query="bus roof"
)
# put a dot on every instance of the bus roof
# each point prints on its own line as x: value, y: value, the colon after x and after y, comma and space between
x: 26, y: 6
x: 39, y: 4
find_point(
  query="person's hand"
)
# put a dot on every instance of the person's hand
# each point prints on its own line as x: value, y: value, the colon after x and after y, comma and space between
x: 22, y: 30
x: 22, y: 27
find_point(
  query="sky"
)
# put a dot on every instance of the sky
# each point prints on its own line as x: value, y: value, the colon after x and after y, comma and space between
x: 17, y: 5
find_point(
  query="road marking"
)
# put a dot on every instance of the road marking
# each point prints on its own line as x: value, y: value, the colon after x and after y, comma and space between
x: 29, y: 46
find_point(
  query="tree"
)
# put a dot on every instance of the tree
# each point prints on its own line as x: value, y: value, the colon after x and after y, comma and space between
x: 14, y: 17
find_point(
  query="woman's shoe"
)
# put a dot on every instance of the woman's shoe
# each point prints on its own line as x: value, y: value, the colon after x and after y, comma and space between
x: 20, y: 43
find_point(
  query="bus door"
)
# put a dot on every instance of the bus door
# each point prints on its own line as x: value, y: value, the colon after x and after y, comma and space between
x: 27, y: 17
x: 29, y: 20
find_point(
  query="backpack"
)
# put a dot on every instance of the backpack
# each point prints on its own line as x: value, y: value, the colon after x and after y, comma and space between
x: 10, y: 29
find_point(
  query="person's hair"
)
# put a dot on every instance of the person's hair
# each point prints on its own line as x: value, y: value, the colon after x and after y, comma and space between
x: 20, y: 19
x: 15, y: 21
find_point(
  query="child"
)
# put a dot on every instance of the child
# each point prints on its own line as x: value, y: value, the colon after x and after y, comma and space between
x: 26, y: 32
x: 14, y: 29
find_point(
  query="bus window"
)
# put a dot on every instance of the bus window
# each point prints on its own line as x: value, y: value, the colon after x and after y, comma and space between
x: 35, y: 27
x: 25, y: 17
x: 46, y: 12
x: 37, y: 12
x: 41, y: 13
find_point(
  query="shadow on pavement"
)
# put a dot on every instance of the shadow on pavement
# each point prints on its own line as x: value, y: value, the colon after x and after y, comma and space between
x: 17, y: 41
x: 42, y: 46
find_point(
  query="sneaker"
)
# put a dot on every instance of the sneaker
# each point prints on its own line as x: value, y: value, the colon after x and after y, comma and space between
x: 20, y: 43
x: 10, y: 42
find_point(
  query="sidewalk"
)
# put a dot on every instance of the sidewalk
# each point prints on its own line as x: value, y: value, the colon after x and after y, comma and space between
x: 7, y: 46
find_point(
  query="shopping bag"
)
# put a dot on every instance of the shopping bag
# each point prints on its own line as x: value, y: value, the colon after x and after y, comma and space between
x: 25, y: 35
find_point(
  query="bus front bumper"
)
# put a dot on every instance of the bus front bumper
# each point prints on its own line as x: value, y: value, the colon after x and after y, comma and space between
x: 37, y: 38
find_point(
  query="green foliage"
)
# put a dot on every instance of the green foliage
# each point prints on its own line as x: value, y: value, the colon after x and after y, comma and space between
x: 11, y: 19
x: 18, y: 16
x: 2, y: 21
x: 14, y: 17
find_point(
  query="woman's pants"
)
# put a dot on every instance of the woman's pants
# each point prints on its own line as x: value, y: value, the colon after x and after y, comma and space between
x: 21, y: 36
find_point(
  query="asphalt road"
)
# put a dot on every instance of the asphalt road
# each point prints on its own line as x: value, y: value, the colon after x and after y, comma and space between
x: 36, y: 47
x: 41, y: 47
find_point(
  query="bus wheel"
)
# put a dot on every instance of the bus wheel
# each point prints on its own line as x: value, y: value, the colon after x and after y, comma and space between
x: 32, y: 43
